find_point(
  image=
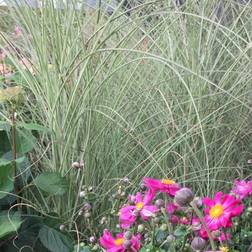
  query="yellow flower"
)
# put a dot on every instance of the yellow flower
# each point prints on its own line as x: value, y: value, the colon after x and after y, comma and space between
x: 224, y: 249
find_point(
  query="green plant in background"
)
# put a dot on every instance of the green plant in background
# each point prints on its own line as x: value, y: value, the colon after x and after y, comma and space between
x: 17, y: 140
x: 165, y: 91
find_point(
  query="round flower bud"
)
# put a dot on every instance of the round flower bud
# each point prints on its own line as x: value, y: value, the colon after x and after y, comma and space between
x: 140, y: 228
x: 198, y: 244
x: 95, y: 247
x: 170, y: 238
x: 249, y: 209
x: 82, y: 244
x: 76, y: 165
x: 103, y: 220
x: 164, y: 227
x: 82, y: 194
x: 125, y: 180
x: 86, y: 207
x: 80, y: 213
x: 113, y: 211
x: 62, y: 227
x: 184, y: 196
x: 90, y: 188
x: 216, y: 234
x: 198, y: 201
x: 142, y: 187
x: 159, y: 203
x: 87, y: 215
x: 156, y: 220
x: 92, y: 239
x: 81, y: 164
x: 127, y: 235
x: 127, y: 244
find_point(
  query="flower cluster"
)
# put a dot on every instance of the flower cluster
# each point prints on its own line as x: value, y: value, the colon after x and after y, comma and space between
x: 179, y: 207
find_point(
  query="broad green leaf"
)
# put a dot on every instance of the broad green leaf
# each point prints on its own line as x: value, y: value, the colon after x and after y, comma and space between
x: 82, y: 248
x: 25, y: 141
x: 52, y: 183
x: 9, y: 223
x: 160, y: 236
x: 54, y: 240
x: 180, y: 231
x: 5, y: 145
x: 33, y: 126
x: 4, y: 126
x: 6, y: 179
x: 27, y: 237
x: 4, y: 162
x: 52, y: 220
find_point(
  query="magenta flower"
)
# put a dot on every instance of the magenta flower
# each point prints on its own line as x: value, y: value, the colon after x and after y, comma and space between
x: 171, y: 208
x: 165, y: 185
x: 221, y: 236
x: 111, y: 244
x: 242, y: 189
x: 220, y: 210
x: 129, y: 213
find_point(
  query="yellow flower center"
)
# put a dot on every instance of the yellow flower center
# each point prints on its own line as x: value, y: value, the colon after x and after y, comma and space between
x: 119, y: 241
x: 216, y: 211
x: 139, y: 205
x: 224, y: 249
x: 167, y: 181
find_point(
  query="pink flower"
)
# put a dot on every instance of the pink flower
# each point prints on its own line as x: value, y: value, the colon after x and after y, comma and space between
x: 165, y: 185
x: 128, y: 214
x: 221, y: 210
x: 111, y: 244
x: 225, y: 236
x: 242, y: 189
x: 221, y: 235
x: 171, y: 208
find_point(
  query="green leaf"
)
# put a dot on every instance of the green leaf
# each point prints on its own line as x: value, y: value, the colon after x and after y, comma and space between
x: 4, y: 161
x: 52, y: 220
x: 85, y: 249
x: 5, y: 145
x: 25, y: 141
x: 54, y: 240
x: 52, y: 183
x: 33, y: 126
x: 6, y: 179
x: 160, y: 236
x: 9, y: 223
x: 180, y: 231
x: 4, y: 126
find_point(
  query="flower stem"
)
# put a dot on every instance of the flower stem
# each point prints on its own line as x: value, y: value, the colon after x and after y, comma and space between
x: 14, y: 151
x: 199, y: 214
